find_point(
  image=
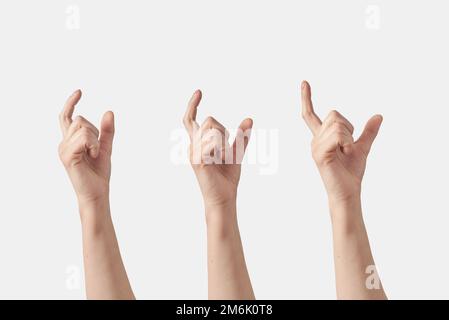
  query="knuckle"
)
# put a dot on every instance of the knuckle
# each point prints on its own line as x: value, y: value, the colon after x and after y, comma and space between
x: 216, y: 133
x: 213, y: 141
x: 77, y: 121
x: 81, y: 121
x: 204, y: 135
x: 334, y: 114
x: 209, y: 120
x: 350, y: 127
x: 340, y: 134
x: 84, y: 130
x: 343, y: 138
x: 339, y: 126
x: 84, y: 133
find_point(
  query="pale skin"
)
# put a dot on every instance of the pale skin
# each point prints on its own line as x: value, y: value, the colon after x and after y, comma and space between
x: 341, y: 161
x: 86, y: 153
x: 228, y: 277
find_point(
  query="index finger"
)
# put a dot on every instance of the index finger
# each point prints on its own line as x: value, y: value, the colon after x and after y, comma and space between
x: 65, y: 118
x: 308, y: 114
x: 190, y: 115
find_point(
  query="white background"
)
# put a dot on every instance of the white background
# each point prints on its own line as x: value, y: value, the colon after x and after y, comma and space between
x: 143, y: 60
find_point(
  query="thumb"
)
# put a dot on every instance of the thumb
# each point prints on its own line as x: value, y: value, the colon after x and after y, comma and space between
x: 368, y: 135
x: 107, y: 130
x: 242, y: 139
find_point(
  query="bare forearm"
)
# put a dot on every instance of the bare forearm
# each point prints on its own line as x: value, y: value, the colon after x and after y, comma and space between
x: 228, y: 277
x: 104, y: 270
x: 354, y: 262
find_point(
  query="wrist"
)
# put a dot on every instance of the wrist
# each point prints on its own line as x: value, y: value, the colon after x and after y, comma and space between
x: 221, y: 220
x: 95, y: 215
x: 344, y: 198
x: 346, y: 216
x: 89, y: 200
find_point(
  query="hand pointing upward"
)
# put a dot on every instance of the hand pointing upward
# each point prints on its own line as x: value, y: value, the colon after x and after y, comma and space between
x: 341, y: 160
x: 86, y: 151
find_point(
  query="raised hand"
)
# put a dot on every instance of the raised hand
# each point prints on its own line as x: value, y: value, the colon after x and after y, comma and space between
x: 340, y: 160
x: 216, y: 163
x: 85, y: 153
x: 217, y: 166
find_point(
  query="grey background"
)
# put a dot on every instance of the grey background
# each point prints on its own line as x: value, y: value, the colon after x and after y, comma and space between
x: 143, y: 59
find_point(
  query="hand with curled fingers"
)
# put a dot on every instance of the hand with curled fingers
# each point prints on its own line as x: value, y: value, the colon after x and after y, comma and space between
x: 216, y: 163
x: 217, y: 166
x: 86, y: 155
x: 86, y: 152
x: 341, y: 160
